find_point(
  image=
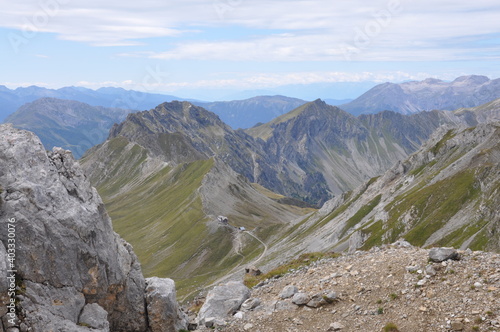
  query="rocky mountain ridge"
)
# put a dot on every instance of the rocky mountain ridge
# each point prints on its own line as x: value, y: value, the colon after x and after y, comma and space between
x: 325, y: 146
x: 185, y: 156
x: 426, y: 95
x: 178, y: 154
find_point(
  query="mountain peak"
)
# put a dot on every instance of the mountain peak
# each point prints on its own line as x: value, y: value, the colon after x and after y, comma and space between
x: 426, y: 95
x: 472, y: 79
x: 431, y: 80
x: 319, y: 102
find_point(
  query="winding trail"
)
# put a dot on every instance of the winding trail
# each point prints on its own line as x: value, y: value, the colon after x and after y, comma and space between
x: 265, y: 247
x: 235, y: 269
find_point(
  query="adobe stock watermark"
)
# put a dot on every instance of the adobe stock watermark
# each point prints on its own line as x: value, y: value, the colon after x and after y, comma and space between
x: 11, y: 270
x: 222, y: 7
x: 47, y: 9
x: 364, y: 35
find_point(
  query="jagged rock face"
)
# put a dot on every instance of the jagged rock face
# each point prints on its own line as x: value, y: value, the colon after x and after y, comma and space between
x: 67, y: 252
x: 320, y: 150
x: 312, y: 153
x: 180, y: 132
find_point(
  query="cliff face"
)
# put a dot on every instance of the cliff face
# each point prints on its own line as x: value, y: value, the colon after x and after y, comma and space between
x: 70, y: 263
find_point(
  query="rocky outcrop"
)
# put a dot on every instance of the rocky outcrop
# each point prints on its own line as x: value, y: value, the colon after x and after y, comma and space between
x: 70, y: 263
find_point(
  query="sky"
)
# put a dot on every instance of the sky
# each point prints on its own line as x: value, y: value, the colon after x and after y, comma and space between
x: 190, y: 46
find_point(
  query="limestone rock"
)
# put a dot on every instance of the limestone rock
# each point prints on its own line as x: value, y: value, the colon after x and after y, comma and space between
x: 316, y: 301
x: 250, y: 304
x: 300, y: 298
x: 284, y: 306
x: 67, y: 252
x: 288, y: 291
x: 223, y: 300
x: 94, y: 316
x: 336, y: 326
x: 443, y: 254
x: 163, y: 311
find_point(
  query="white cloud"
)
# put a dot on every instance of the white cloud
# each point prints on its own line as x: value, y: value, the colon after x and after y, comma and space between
x: 379, y: 30
x: 264, y: 80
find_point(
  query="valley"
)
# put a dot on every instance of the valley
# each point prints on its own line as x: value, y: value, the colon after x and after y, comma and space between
x: 166, y: 174
x: 315, y: 178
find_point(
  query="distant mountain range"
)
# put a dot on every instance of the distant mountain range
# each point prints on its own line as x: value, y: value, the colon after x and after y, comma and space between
x: 11, y: 100
x: 311, y: 91
x: 258, y: 110
x: 264, y: 105
x: 69, y: 124
x: 430, y: 94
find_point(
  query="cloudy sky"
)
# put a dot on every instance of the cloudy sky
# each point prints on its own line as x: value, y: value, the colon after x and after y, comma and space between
x: 177, y: 45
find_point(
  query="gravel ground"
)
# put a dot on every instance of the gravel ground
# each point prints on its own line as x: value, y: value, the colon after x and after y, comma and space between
x: 385, y: 285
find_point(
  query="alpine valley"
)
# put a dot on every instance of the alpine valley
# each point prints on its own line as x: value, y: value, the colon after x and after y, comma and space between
x: 166, y: 174
x: 201, y: 202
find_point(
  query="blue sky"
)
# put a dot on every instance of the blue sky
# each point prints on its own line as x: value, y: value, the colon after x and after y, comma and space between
x: 193, y: 45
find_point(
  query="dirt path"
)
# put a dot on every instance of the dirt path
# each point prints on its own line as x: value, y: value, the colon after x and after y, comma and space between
x: 265, y: 248
x: 237, y: 268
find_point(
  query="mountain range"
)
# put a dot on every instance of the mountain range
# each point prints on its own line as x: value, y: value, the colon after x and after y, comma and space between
x: 69, y: 124
x: 77, y: 126
x: 11, y: 100
x: 166, y: 174
x: 427, y: 95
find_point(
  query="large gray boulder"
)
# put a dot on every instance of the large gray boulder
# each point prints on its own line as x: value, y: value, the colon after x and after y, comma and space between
x: 163, y: 311
x: 67, y: 254
x: 223, y: 301
x: 438, y: 255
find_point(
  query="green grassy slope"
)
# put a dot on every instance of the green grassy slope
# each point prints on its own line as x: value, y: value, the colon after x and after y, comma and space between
x: 159, y: 209
x: 446, y: 194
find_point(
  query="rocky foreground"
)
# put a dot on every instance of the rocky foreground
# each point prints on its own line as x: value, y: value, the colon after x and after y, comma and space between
x: 398, y: 286
x: 62, y: 267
